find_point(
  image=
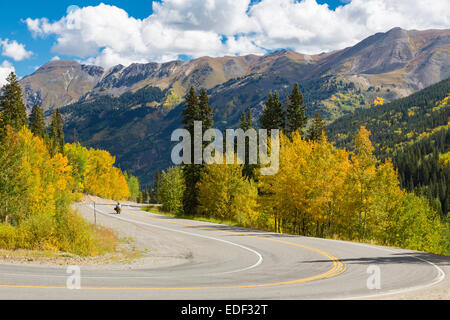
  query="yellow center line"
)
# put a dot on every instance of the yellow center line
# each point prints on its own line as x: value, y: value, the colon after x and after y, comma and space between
x: 337, y: 269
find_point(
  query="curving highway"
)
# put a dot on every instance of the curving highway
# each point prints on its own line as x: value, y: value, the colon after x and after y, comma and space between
x: 223, y: 262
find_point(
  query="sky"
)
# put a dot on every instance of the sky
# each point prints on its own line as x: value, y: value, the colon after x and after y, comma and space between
x: 110, y: 32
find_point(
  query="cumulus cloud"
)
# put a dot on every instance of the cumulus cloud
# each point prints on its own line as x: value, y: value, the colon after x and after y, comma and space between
x: 107, y: 35
x: 5, y: 69
x: 14, y: 50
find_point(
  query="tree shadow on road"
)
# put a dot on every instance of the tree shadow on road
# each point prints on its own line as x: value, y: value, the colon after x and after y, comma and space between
x: 395, y: 258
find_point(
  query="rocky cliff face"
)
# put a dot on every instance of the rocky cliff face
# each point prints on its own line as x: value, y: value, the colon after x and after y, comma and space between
x: 59, y: 83
x: 415, y: 59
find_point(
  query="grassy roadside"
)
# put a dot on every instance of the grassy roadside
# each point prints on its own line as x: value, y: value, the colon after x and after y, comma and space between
x: 110, y: 250
x: 157, y: 209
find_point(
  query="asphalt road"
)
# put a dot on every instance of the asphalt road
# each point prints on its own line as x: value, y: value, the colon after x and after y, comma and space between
x: 226, y: 262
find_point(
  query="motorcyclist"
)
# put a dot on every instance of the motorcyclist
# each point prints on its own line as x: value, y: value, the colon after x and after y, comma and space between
x: 118, y: 208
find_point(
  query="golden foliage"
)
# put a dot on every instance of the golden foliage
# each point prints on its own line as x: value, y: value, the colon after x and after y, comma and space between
x: 95, y: 172
x: 378, y: 101
x: 40, y: 218
x: 225, y: 194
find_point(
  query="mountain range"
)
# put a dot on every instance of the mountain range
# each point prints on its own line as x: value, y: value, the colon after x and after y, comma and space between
x: 132, y: 110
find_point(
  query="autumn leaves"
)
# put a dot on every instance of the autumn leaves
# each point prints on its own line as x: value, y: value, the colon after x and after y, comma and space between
x: 40, y: 177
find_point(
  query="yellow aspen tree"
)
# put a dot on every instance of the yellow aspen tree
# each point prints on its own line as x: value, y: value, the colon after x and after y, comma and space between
x: 226, y: 195
x: 363, y: 178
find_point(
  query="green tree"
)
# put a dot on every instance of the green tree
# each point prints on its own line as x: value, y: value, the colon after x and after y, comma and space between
x: 154, y: 190
x: 205, y: 110
x: 317, y: 129
x: 12, y: 178
x: 273, y: 116
x: 171, y: 190
x: 248, y: 170
x: 36, y: 122
x: 56, y: 134
x: 133, y: 185
x: 194, y: 110
x: 295, y: 112
x: 145, y: 195
x: 12, y: 109
x: 191, y: 112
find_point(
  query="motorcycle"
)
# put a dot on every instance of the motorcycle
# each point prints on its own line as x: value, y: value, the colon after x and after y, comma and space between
x: 117, y: 209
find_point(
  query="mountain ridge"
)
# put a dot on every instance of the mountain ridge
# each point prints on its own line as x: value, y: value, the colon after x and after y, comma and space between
x: 131, y: 111
x: 417, y: 57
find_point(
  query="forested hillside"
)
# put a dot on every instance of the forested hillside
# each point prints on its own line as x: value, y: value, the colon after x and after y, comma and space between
x: 414, y: 132
x: 136, y: 126
x: 41, y: 176
x: 423, y: 167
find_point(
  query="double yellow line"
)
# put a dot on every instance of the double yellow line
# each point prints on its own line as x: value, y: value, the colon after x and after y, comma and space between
x: 337, y: 269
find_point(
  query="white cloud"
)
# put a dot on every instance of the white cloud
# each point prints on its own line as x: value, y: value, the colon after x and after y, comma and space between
x: 14, y: 50
x: 55, y: 58
x: 5, y: 69
x: 107, y: 35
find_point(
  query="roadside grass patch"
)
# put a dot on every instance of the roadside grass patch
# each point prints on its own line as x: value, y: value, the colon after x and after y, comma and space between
x: 158, y: 210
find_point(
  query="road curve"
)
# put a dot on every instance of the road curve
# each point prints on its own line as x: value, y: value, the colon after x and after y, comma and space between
x: 227, y: 262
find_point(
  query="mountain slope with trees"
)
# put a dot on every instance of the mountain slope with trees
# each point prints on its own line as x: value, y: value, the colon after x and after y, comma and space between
x: 413, y: 131
x: 131, y: 111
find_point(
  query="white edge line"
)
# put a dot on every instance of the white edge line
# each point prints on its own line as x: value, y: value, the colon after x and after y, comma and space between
x: 436, y: 280
x: 260, y: 258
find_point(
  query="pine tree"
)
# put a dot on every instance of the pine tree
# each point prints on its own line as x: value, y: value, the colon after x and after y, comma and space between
x: 144, y: 195
x: 205, y: 111
x: 265, y: 119
x: 295, y: 112
x: 154, y: 195
x: 248, y: 170
x: 194, y: 110
x: 191, y: 112
x: 12, y: 109
x: 56, y: 134
x: 36, y: 122
x: 317, y: 129
x: 273, y: 116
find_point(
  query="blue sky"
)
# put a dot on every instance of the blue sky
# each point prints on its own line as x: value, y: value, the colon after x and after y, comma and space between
x: 12, y: 27
x: 193, y: 30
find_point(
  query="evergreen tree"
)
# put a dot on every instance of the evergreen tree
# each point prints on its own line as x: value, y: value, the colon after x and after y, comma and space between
x: 317, y: 128
x: 12, y: 109
x: 248, y: 170
x: 295, y: 112
x: 144, y: 195
x: 191, y: 112
x: 273, y: 116
x: 194, y: 110
x: 56, y: 134
x: 205, y: 111
x: 36, y: 122
x: 154, y: 192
